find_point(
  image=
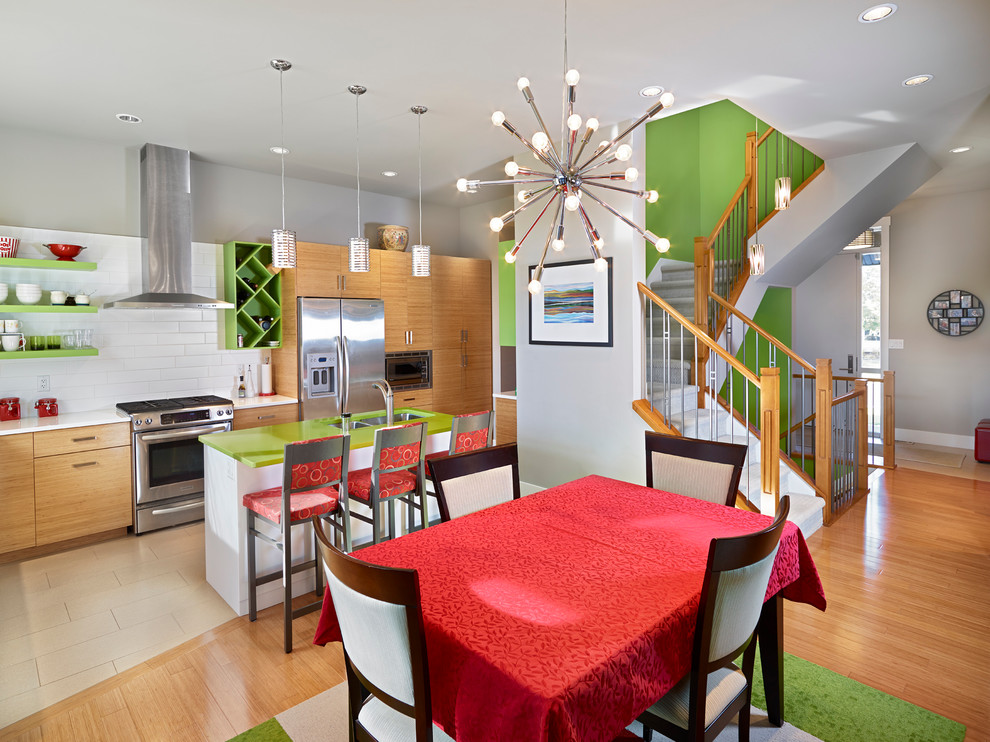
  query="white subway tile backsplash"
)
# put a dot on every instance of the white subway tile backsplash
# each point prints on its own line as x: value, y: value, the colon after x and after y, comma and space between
x: 142, y: 352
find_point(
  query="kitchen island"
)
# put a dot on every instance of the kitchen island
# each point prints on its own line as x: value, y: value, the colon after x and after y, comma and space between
x: 242, y: 461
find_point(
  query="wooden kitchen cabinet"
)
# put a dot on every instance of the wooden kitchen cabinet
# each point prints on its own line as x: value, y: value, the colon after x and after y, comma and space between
x: 82, y: 481
x: 462, y: 334
x: 256, y: 417
x: 419, y: 399
x: 408, y: 304
x: 321, y: 270
x: 17, y: 492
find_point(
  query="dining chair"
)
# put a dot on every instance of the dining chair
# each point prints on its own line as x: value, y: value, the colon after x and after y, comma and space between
x: 716, y: 690
x: 475, y: 480
x: 705, y: 470
x: 314, y: 485
x: 397, y: 473
x: 381, y: 622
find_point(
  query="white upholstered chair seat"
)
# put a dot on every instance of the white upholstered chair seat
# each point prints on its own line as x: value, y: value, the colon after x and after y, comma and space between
x: 723, y: 685
x: 388, y: 725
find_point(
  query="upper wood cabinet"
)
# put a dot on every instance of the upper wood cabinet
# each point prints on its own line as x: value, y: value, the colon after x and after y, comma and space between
x: 408, y: 304
x: 321, y: 270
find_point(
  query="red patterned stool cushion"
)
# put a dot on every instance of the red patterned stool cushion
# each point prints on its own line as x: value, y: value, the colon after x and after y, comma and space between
x: 389, y: 485
x: 471, y: 440
x: 268, y: 503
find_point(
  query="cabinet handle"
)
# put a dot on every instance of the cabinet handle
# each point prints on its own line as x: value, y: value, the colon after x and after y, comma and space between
x: 408, y: 399
x: 343, y: 280
x: 265, y: 417
x: 88, y: 463
x: 338, y: 282
x: 87, y: 438
x: 465, y: 336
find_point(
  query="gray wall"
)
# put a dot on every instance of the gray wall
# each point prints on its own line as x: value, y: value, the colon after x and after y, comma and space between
x: 937, y: 244
x: 52, y: 182
x: 826, y: 312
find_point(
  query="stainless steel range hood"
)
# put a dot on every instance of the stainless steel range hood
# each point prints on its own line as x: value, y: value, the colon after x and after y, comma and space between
x: 166, y: 234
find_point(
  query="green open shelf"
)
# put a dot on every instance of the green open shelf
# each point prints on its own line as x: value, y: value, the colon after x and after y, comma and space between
x: 52, y: 264
x: 255, y: 291
x: 48, y: 309
x: 18, y: 355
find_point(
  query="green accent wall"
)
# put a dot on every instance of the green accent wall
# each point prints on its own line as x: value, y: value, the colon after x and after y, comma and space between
x: 506, y: 296
x: 696, y: 161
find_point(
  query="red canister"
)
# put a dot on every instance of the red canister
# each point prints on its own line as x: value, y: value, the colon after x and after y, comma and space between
x: 47, y: 407
x: 10, y: 408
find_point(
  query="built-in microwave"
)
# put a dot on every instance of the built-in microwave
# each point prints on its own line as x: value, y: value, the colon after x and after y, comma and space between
x: 409, y: 370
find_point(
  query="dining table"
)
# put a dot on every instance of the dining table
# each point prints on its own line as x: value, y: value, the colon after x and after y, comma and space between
x: 565, y: 614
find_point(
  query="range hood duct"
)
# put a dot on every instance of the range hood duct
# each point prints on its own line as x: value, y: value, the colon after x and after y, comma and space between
x: 166, y: 234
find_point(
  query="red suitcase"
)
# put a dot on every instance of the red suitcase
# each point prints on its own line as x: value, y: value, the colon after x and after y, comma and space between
x: 982, y: 452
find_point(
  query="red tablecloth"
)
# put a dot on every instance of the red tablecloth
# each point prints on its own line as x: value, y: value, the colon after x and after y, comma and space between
x: 563, y: 615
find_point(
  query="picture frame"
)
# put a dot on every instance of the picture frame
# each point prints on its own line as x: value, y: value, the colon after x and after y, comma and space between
x: 955, y: 312
x: 574, y: 307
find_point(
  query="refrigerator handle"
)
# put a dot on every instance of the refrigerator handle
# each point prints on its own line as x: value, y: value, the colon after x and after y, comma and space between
x: 341, y: 393
x: 345, y: 387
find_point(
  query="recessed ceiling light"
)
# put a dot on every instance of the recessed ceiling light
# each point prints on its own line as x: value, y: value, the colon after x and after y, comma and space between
x: 877, y: 13
x: 651, y: 91
x: 916, y: 80
x: 958, y: 150
x: 389, y: 173
x: 279, y: 150
x: 128, y: 118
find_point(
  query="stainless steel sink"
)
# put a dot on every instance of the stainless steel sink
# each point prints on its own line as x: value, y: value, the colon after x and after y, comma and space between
x: 400, y: 417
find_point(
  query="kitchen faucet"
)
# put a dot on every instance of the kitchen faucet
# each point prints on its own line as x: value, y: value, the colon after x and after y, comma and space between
x: 385, y: 388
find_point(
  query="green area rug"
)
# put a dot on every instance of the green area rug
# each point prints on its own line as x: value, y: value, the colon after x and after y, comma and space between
x: 824, y: 704
x: 835, y: 708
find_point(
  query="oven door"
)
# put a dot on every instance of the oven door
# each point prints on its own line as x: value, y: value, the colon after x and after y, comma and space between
x: 169, y: 463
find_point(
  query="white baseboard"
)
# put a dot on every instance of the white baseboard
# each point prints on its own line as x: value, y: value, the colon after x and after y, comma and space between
x: 525, y: 488
x: 935, y: 439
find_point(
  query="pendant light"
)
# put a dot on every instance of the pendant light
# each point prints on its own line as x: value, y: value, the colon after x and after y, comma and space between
x: 420, y: 252
x: 757, y: 251
x: 782, y: 186
x: 283, y: 240
x: 358, y: 251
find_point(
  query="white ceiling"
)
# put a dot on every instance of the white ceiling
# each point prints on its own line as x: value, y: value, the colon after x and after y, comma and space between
x: 197, y: 72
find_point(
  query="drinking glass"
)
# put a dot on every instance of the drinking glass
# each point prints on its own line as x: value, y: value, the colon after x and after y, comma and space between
x: 36, y: 342
x: 69, y: 339
x: 54, y: 342
x: 84, y: 338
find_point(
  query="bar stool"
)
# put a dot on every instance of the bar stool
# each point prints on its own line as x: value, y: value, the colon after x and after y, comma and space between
x: 468, y: 432
x: 397, y: 473
x: 314, y: 483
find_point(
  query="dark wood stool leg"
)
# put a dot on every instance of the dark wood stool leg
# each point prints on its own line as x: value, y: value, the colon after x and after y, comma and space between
x: 391, y: 519
x: 287, y: 582
x: 317, y: 565
x: 770, y: 631
x: 252, y: 569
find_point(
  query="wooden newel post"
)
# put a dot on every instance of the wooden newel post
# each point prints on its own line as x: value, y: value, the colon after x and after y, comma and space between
x: 770, y: 434
x: 862, y: 438
x: 888, y: 419
x: 702, y: 284
x: 823, y: 432
x: 753, y: 196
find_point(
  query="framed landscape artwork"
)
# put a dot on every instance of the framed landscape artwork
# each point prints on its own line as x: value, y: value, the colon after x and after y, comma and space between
x: 575, y: 306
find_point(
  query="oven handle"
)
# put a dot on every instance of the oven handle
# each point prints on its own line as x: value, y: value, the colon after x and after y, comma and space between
x: 177, y: 508
x: 183, y: 433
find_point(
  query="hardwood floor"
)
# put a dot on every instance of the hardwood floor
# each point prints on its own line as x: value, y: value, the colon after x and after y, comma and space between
x: 906, y: 573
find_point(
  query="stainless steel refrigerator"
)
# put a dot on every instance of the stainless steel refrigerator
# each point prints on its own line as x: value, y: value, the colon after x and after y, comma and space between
x: 341, y: 352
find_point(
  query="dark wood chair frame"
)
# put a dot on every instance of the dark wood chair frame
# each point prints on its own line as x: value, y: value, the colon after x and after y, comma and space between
x: 445, y: 468
x: 724, y: 554
x: 295, y: 454
x: 398, y: 436
x: 718, y: 452
x: 399, y: 587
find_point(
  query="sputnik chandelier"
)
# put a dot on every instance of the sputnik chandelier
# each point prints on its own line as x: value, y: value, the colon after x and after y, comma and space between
x: 566, y: 182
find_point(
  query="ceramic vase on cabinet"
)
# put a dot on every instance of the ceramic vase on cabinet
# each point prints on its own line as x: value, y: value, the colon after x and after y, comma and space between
x: 392, y: 237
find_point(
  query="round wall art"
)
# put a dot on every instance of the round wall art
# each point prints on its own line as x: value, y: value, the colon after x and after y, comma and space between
x: 955, y: 312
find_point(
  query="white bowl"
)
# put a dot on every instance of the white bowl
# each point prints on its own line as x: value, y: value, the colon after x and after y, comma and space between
x: 29, y: 286
x: 3, y: 292
x: 28, y: 297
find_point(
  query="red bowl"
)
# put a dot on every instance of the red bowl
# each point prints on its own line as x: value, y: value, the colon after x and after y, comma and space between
x: 65, y: 252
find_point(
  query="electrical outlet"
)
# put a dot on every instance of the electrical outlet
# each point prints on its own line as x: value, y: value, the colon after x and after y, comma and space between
x: 44, y: 384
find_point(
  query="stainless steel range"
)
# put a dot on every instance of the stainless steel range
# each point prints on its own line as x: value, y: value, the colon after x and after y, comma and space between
x: 168, y: 457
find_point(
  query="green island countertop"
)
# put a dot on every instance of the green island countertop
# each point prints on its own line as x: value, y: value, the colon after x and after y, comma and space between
x: 266, y: 445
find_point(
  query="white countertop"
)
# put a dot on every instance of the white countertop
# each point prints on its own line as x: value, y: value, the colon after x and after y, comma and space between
x: 103, y: 417
x: 504, y: 395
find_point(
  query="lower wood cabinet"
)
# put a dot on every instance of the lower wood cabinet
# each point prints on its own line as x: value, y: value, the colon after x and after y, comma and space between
x: 78, y: 494
x: 420, y: 399
x: 256, y: 417
x: 16, y: 492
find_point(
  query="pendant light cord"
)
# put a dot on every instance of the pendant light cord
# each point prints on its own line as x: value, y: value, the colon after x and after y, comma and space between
x: 281, y: 108
x: 563, y: 110
x: 357, y: 138
x: 419, y: 137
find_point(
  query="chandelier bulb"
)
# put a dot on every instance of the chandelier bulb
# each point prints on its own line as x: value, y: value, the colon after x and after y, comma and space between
x: 498, y: 118
x: 511, y: 169
x: 623, y: 153
x: 599, y: 242
x: 496, y: 224
x: 662, y: 244
x: 462, y: 185
x: 574, y: 122
x: 652, y: 197
x: 541, y: 141
x: 592, y: 123
x: 631, y: 175
x: 523, y: 196
x: 601, y: 265
x: 667, y: 99
x: 572, y: 202
x: 557, y: 245
x: 522, y: 83
x: 510, y: 257
x: 535, y: 287
x: 572, y: 77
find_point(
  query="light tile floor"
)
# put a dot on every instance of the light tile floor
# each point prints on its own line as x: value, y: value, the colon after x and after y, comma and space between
x: 70, y: 620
